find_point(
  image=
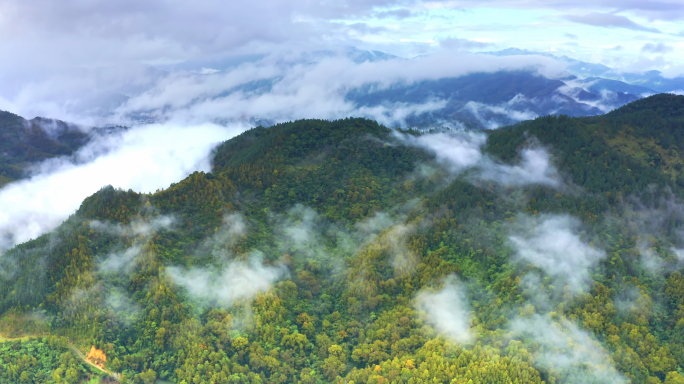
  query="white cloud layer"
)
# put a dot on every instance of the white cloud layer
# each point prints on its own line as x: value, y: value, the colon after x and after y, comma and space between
x: 553, y: 244
x: 236, y: 281
x: 458, y: 150
x: 135, y: 228
x: 447, y: 311
x: 280, y: 88
x: 144, y: 159
x: 567, y: 351
x: 535, y: 168
x: 72, y: 59
x: 461, y: 150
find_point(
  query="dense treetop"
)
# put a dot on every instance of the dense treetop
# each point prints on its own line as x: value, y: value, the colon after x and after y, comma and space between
x: 342, y: 251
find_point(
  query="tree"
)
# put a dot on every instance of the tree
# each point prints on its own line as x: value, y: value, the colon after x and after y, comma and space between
x: 674, y: 378
x: 148, y: 377
x: 334, y: 365
x: 25, y: 377
x: 72, y: 376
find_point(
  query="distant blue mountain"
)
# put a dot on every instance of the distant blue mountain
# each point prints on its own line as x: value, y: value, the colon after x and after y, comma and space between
x: 575, y: 67
x: 598, y: 84
x: 490, y: 100
x: 651, y: 81
x: 478, y: 100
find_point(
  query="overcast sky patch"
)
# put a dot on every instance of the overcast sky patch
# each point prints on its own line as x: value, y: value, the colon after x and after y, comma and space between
x: 608, y: 20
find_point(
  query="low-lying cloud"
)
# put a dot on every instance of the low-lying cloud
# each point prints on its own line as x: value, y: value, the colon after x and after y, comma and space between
x: 135, y: 228
x: 281, y: 88
x: 458, y: 150
x: 144, y: 159
x: 121, y: 261
x: 223, y: 286
x: 447, y: 310
x: 535, y: 168
x: 567, y: 351
x: 462, y: 150
x: 495, y: 116
x: 232, y: 229
x: 552, y: 243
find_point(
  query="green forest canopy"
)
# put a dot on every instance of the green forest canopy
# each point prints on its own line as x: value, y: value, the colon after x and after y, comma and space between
x: 342, y: 251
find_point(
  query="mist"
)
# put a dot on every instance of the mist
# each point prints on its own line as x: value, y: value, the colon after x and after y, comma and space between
x: 235, y: 281
x: 139, y: 230
x: 460, y: 150
x: 447, y: 310
x: 144, y: 159
x: 567, y: 351
x: 553, y: 244
x: 281, y: 88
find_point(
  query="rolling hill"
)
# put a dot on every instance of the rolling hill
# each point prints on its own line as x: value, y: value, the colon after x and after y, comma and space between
x: 343, y: 251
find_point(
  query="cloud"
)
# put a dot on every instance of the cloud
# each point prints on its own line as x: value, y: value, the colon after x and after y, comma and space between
x: 235, y: 281
x: 121, y: 50
x: 398, y: 14
x: 463, y: 44
x: 656, y: 48
x: 300, y: 232
x: 403, y: 260
x: 374, y: 224
x: 576, y: 89
x: 284, y: 88
x: 120, y: 261
x: 458, y: 150
x: 652, y: 10
x: 232, y: 229
x: 140, y: 230
x: 566, y: 351
x: 651, y: 221
x: 462, y: 150
x: 393, y: 114
x: 112, y: 47
x: 571, y: 36
x: 137, y: 227
x: 447, y: 310
x: 118, y: 51
x: 535, y: 168
x: 552, y: 244
x: 123, y: 307
x: 608, y: 20
x: 627, y: 299
x: 144, y: 159
x: 490, y: 115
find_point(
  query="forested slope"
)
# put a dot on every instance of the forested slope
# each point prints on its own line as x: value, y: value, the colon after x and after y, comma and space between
x: 26, y: 142
x: 319, y: 252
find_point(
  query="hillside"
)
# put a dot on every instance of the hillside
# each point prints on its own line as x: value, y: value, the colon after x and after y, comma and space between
x: 343, y: 251
x: 26, y: 142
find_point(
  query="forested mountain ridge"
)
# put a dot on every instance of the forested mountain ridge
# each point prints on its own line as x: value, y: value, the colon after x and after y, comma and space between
x: 26, y: 142
x: 321, y: 252
x: 486, y: 100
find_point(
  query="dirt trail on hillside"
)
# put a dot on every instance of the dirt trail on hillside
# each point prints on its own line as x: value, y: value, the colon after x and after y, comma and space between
x: 80, y: 355
x: 114, y: 375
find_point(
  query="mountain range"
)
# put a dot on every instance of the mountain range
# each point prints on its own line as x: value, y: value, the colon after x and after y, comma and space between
x: 480, y: 97
x: 25, y: 144
x: 321, y: 251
